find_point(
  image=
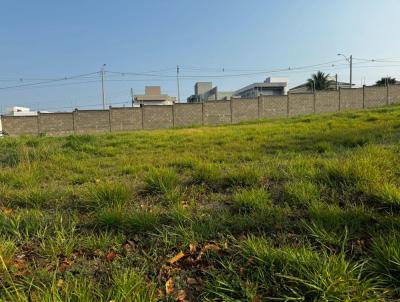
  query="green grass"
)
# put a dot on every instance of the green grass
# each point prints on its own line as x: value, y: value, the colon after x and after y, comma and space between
x: 299, y: 209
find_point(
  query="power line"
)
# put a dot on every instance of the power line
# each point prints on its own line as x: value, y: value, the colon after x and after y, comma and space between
x: 49, y: 81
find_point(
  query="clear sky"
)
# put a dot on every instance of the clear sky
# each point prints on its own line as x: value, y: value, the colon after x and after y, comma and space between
x: 232, y: 43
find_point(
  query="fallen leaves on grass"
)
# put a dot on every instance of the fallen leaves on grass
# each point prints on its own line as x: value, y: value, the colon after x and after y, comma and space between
x: 111, y: 256
x: 206, y: 248
x: 7, y: 211
x: 169, y: 286
x: 177, y: 257
x: 21, y: 267
x: 181, y: 296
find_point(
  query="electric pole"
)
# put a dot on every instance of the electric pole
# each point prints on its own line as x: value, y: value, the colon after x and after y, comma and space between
x: 177, y: 83
x: 102, y: 86
x: 351, y: 71
x: 337, y: 86
x: 350, y: 60
x: 133, y: 100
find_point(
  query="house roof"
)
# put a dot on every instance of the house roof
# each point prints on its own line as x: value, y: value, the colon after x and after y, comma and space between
x: 262, y: 85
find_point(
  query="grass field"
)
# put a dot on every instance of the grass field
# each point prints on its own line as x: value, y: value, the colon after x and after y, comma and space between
x: 300, y: 209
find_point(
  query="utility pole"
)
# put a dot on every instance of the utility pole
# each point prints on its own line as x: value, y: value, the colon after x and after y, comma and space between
x: 177, y: 83
x: 133, y: 100
x: 337, y: 85
x: 351, y: 71
x: 102, y: 86
x: 350, y: 60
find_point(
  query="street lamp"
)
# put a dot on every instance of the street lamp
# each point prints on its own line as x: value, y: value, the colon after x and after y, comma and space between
x: 350, y: 60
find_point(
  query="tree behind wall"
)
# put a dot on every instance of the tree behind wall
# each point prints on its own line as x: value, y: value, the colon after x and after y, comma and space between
x: 386, y: 81
x: 318, y: 81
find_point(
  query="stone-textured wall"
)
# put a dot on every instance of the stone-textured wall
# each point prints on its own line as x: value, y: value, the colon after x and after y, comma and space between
x: 273, y: 106
x: 208, y: 113
x: 394, y: 94
x: 301, y: 104
x: 125, y: 119
x: 244, y: 110
x: 188, y: 114
x: 157, y: 116
x: 375, y: 96
x: 20, y: 125
x: 217, y: 112
x: 327, y: 101
x: 61, y: 123
x: 92, y: 121
x: 351, y: 98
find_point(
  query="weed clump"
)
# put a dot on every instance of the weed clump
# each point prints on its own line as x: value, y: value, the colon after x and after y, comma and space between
x: 161, y: 181
x: 143, y: 221
x: 107, y: 194
x: 385, y: 262
x: 293, y: 273
x: 253, y: 199
x: 241, y: 177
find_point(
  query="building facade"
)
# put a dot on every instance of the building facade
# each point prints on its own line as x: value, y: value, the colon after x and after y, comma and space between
x: 153, y: 96
x: 271, y: 86
x: 204, y: 91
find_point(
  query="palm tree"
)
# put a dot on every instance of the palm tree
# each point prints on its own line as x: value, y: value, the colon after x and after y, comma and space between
x: 386, y: 81
x: 318, y: 81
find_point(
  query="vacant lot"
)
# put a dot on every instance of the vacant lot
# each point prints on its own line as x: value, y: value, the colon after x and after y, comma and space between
x: 295, y: 209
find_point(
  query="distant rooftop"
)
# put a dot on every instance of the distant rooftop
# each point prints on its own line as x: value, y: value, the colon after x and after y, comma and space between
x: 271, y: 82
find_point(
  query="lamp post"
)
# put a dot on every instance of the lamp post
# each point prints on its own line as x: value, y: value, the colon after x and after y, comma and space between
x: 350, y: 60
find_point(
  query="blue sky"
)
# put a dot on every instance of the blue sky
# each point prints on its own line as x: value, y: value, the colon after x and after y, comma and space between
x: 46, y: 40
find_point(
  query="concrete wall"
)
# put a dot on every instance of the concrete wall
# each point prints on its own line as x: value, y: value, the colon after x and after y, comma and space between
x: 217, y: 112
x: 92, y: 121
x: 394, y: 94
x: 209, y: 113
x: 351, y: 98
x: 375, y: 96
x: 301, y: 103
x: 61, y: 123
x: 155, y: 117
x: 125, y: 119
x: 20, y: 125
x: 188, y: 114
x: 327, y: 101
x: 273, y: 106
x: 244, y: 110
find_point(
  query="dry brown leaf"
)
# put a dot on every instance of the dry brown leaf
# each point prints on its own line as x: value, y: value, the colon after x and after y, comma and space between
x: 178, y: 257
x: 110, y: 256
x: 181, y: 295
x: 65, y: 264
x: 20, y: 264
x: 169, y: 286
x: 208, y: 247
x: 7, y: 211
x: 191, y: 281
x: 192, y: 248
